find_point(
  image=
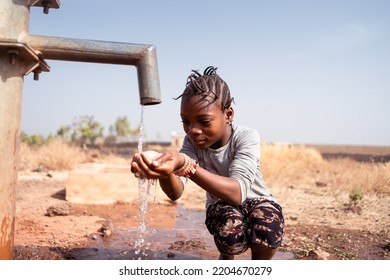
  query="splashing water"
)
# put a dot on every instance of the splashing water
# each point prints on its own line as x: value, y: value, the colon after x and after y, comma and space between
x: 144, y: 191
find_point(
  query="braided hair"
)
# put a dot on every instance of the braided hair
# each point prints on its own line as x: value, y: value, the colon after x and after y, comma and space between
x: 206, y: 85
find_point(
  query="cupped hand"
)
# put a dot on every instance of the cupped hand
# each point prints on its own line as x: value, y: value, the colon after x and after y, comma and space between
x: 158, y: 167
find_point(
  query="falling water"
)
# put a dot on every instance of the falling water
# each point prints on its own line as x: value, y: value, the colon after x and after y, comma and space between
x: 144, y: 188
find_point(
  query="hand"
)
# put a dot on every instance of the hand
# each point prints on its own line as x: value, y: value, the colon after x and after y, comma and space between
x: 137, y: 166
x: 156, y: 168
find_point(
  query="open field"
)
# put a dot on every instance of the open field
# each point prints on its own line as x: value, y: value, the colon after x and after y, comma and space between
x: 359, y: 153
x: 335, y: 207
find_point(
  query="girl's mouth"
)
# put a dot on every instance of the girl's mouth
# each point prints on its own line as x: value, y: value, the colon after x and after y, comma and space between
x: 199, y: 142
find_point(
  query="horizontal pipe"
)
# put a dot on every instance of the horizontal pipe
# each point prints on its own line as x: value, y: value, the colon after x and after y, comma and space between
x: 69, y: 49
x: 144, y: 57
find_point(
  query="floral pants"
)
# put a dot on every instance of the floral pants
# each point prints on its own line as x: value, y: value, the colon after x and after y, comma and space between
x: 235, y: 228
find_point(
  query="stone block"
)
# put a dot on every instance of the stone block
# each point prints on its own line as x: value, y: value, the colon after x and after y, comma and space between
x: 101, y: 184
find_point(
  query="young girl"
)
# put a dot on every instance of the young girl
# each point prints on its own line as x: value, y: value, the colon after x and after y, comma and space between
x: 223, y: 159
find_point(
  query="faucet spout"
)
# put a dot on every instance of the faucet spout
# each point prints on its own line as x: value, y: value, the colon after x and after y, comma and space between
x: 148, y: 79
x: 143, y: 57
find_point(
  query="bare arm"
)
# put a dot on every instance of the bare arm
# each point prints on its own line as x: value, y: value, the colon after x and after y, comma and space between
x: 172, y: 186
x: 162, y: 168
x: 225, y: 188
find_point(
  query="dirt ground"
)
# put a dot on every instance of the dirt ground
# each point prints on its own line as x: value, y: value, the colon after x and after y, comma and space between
x: 319, y: 225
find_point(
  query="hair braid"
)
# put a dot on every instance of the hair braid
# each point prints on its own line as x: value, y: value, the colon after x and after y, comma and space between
x: 206, y: 85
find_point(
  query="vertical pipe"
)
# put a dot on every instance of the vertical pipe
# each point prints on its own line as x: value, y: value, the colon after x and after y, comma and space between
x: 148, y: 80
x: 13, y: 22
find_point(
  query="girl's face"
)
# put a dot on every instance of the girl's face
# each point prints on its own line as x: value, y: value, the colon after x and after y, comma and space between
x: 204, y: 121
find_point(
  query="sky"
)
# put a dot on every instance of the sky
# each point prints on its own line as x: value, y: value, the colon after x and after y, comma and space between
x: 302, y: 71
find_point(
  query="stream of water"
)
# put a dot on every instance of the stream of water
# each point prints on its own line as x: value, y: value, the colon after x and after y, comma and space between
x: 144, y: 192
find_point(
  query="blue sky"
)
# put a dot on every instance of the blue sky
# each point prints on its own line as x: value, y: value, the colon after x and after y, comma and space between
x: 300, y: 71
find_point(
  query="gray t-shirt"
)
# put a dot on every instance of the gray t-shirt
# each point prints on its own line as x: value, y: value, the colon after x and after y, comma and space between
x: 239, y: 159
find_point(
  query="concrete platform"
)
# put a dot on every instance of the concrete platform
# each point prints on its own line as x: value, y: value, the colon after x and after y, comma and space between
x: 101, y: 184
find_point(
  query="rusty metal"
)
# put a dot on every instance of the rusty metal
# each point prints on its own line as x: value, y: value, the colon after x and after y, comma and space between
x: 21, y: 54
x: 25, y: 54
x: 144, y: 57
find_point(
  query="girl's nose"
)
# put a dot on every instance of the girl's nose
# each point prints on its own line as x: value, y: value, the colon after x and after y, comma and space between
x: 194, y: 130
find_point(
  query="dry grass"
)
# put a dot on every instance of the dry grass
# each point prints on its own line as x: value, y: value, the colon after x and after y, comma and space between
x: 359, y: 176
x: 55, y: 155
x: 28, y: 157
x: 298, y: 165
x: 113, y: 159
x: 282, y: 165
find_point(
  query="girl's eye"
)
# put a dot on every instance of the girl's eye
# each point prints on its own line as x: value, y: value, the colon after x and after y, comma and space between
x: 205, y: 122
x: 185, y: 122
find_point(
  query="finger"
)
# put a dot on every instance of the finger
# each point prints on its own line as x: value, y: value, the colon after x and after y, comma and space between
x: 146, y: 169
x: 136, y: 170
x: 145, y: 159
x: 134, y: 167
x: 140, y: 162
x: 162, y: 161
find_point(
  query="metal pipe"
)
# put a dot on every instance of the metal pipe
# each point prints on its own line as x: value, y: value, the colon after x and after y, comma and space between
x: 13, y: 20
x: 11, y: 91
x: 144, y: 57
x: 20, y: 54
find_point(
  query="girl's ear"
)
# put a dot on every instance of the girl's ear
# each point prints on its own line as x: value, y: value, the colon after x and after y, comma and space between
x: 229, y: 114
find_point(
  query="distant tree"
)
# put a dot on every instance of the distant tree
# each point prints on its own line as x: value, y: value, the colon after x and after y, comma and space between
x: 111, y: 138
x: 50, y: 137
x: 111, y: 130
x: 64, y: 132
x: 122, y: 126
x: 86, y: 130
x: 24, y: 137
x: 33, y: 139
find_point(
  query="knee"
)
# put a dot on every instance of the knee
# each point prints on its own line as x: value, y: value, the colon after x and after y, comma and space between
x: 232, y: 249
x: 233, y: 243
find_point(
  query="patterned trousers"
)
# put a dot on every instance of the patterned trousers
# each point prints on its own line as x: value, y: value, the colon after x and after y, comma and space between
x: 235, y: 228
